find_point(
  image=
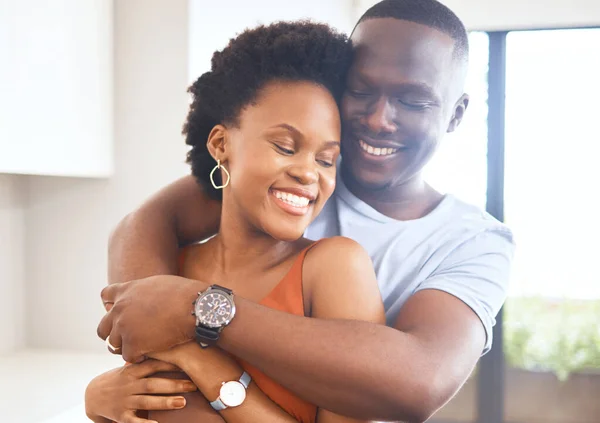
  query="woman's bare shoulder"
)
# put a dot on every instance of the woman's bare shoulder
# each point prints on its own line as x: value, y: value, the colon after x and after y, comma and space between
x: 338, y: 275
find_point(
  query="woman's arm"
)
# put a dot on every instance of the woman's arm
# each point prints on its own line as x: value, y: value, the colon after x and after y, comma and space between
x: 209, y: 368
x: 146, y: 242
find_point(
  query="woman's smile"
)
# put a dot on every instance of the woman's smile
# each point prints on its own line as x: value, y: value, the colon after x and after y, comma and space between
x: 294, y: 201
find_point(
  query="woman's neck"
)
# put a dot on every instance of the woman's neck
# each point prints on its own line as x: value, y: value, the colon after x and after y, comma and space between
x: 239, y: 247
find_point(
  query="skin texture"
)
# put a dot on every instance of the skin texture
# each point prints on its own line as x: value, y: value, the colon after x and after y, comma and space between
x: 405, y: 372
x: 288, y: 140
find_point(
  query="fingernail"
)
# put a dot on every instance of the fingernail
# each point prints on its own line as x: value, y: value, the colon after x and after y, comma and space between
x: 190, y: 385
x: 179, y: 402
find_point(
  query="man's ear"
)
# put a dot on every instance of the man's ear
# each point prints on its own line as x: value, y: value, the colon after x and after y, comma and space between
x: 217, y: 143
x: 459, y: 111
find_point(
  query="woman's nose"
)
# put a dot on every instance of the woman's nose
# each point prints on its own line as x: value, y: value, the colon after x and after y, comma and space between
x: 304, y: 171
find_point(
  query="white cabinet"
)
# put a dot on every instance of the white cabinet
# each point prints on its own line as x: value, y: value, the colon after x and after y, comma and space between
x: 56, y: 87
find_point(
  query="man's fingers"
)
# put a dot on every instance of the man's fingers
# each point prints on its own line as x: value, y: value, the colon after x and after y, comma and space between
x: 154, y: 403
x: 105, y: 326
x: 109, y: 293
x: 150, y: 367
x: 129, y: 355
x: 164, y: 386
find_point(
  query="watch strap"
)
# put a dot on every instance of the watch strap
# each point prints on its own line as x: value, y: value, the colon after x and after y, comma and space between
x: 222, y: 288
x: 218, y: 405
x: 245, y: 379
x: 207, y: 337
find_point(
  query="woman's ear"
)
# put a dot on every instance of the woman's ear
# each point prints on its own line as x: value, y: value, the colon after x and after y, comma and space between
x: 217, y: 143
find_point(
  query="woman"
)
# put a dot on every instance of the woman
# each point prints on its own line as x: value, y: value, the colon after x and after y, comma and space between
x: 265, y: 130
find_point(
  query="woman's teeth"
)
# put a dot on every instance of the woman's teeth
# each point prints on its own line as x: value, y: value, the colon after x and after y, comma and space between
x: 376, y: 151
x: 292, y: 199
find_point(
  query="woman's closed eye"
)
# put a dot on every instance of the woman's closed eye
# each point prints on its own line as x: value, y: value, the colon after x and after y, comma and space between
x: 325, y: 163
x: 283, y: 150
x: 327, y: 158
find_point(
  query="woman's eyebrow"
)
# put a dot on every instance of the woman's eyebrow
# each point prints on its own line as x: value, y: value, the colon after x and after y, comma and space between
x: 297, y: 132
x: 288, y: 127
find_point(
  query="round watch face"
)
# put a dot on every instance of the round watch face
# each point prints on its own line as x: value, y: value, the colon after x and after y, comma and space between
x: 214, y: 309
x: 232, y: 394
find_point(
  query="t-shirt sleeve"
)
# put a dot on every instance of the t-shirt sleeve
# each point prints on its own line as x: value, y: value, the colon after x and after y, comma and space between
x: 477, y: 272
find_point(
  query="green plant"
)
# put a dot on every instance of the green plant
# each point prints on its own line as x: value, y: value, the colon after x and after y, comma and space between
x: 562, y: 336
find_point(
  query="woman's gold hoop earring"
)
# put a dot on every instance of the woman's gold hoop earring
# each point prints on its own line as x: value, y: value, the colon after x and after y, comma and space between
x: 212, y: 179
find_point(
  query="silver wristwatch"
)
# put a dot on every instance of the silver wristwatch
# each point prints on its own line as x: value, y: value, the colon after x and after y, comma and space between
x: 232, y: 394
x: 214, y: 309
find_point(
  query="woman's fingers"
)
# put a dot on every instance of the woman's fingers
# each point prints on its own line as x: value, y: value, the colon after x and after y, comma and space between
x: 150, y: 367
x: 157, y: 385
x: 154, y: 403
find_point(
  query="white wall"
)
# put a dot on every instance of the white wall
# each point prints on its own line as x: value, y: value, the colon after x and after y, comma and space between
x: 69, y: 220
x: 56, y: 80
x: 517, y: 14
x: 53, y: 231
x: 212, y: 26
x: 12, y: 283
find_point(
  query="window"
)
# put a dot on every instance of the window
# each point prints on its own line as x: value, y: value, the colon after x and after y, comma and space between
x: 543, y: 148
x: 551, y: 320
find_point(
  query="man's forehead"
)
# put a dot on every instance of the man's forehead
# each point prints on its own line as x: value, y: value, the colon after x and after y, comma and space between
x: 394, y: 38
x: 388, y: 46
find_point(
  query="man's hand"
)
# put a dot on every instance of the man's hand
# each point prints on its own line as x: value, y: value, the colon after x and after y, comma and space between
x: 149, y: 315
x: 118, y: 394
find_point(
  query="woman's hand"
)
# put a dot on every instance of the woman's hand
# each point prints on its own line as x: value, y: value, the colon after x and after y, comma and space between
x: 117, y: 394
x: 207, y: 367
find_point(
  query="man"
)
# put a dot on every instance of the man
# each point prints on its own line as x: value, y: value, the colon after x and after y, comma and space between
x: 442, y: 265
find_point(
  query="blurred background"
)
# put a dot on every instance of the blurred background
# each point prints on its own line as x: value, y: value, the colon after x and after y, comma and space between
x: 92, y: 99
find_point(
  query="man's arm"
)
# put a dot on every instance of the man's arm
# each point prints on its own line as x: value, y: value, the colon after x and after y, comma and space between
x: 363, y: 370
x: 146, y: 242
x: 402, y: 373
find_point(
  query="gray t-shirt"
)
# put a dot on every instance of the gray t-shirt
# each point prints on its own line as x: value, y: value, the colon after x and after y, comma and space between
x: 456, y: 248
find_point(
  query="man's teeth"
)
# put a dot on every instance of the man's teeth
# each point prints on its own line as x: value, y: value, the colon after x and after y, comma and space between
x: 292, y: 199
x: 376, y: 151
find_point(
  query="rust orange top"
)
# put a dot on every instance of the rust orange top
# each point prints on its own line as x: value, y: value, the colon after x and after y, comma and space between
x: 286, y: 296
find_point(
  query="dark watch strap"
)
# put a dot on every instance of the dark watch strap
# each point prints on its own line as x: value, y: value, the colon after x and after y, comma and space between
x: 206, y: 337
x: 222, y: 288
